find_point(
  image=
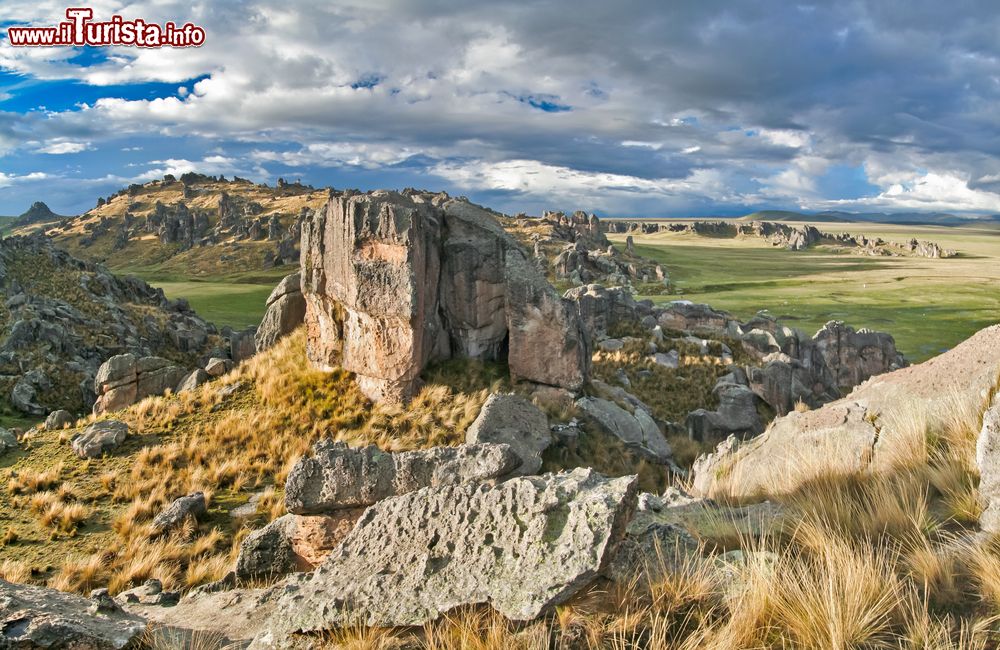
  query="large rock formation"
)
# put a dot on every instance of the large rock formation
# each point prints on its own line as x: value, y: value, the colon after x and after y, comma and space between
x: 523, y: 546
x: 871, y: 425
x: 395, y: 281
x: 336, y: 476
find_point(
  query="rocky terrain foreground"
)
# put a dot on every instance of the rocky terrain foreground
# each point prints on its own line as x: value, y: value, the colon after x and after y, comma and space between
x: 425, y: 440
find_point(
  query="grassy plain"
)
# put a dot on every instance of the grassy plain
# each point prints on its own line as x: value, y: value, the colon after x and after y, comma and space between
x: 928, y: 305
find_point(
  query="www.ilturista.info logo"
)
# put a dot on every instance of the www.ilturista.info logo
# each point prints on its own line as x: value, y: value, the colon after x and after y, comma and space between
x: 79, y: 29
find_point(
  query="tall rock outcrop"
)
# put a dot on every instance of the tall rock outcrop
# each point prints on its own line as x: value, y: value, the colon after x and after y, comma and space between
x: 393, y: 281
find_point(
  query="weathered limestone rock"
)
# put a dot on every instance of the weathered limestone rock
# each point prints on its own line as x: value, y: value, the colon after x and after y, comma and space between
x: 522, y: 546
x: 988, y: 460
x: 293, y: 543
x: 8, y: 441
x: 192, y: 505
x: 99, y: 438
x: 855, y: 355
x: 687, y: 316
x: 514, y: 421
x: 336, y: 476
x: 242, y: 345
x: 392, y: 282
x: 286, y: 310
x: 192, y: 380
x: 216, y: 366
x: 737, y: 414
x: 37, y: 617
x: 58, y: 420
x: 125, y: 379
x: 868, y: 426
x: 602, y: 309
x: 637, y: 430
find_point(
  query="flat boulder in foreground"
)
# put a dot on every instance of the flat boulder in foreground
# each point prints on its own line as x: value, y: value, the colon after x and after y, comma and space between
x: 522, y: 546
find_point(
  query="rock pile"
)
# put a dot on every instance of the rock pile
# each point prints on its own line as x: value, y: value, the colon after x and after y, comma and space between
x: 394, y: 281
x: 64, y: 317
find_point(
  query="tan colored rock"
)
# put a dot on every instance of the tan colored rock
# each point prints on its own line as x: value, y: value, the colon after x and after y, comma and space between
x: 393, y: 281
x: 875, y: 424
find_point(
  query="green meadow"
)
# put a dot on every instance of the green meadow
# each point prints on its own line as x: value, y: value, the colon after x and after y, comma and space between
x: 928, y: 305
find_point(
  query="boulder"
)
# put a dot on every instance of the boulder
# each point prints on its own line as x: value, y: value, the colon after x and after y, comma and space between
x: 216, y: 366
x: 192, y: 380
x: 686, y: 316
x: 637, y: 430
x: 8, y: 441
x: 99, y: 438
x: 191, y: 505
x: 736, y: 414
x: 242, y: 345
x: 37, y: 617
x: 337, y: 477
x: 513, y: 420
x: 394, y: 281
x: 603, y: 309
x: 286, y: 310
x: 125, y: 379
x: 58, y: 420
x: 868, y: 427
x: 523, y: 546
x: 292, y: 543
x: 988, y: 461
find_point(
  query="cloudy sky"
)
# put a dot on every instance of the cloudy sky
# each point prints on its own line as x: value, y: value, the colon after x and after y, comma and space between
x: 626, y: 107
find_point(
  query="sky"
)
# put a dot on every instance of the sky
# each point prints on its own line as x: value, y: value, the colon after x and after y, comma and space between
x: 631, y: 107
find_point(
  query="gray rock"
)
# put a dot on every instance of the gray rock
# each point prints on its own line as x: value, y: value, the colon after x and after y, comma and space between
x: 99, y: 438
x: 670, y: 360
x: 292, y: 543
x: 337, y: 476
x: 149, y: 593
x: 216, y: 367
x: 37, y: 617
x: 638, y: 430
x: 286, y: 310
x: 988, y: 460
x: 513, y: 420
x: 192, y: 380
x: 737, y: 414
x: 523, y: 546
x: 8, y: 441
x: 58, y: 420
x: 242, y: 345
x: 611, y: 345
x: 192, y: 505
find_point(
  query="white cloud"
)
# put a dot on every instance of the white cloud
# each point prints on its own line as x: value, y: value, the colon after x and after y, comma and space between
x: 6, y: 180
x: 58, y: 147
x: 944, y: 191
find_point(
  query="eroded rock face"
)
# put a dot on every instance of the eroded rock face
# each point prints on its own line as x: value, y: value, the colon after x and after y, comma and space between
x: 392, y: 282
x: 37, y: 617
x: 124, y: 379
x: 337, y: 477
x: 58, y: 420
x: 514, y: 421
x: 286, y: 310
x: 867, y: 427
x: 637, y: 430
x: 293, y: 543
x: 855, y: 355
x: 736, y: 414
x: 99, y: 438
x: 988, y: 460
x: 522, y: 546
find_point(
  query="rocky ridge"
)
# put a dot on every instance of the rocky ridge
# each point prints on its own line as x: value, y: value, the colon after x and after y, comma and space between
x: 792, y: 237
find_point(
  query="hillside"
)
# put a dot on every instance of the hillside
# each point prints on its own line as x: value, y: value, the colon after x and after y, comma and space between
x: 61, y: 318
x: 194, y: 227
